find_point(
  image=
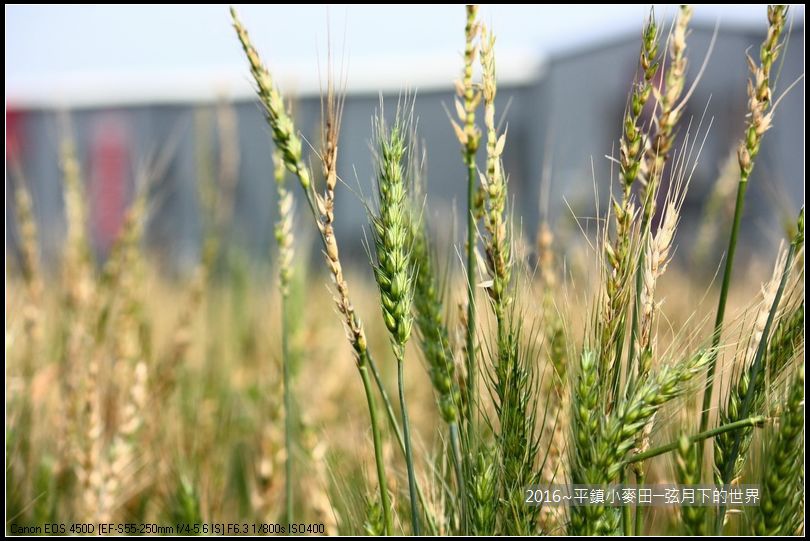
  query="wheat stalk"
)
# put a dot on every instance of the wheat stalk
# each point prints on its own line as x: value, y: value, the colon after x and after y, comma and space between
x: 759, y: 121
x: 390, y: 227
x: 469, y: 136
x: 620, y: 252
x: 435, y: 343
x: 322, y: 210
x: 284, y: 241
x: 756, y: 369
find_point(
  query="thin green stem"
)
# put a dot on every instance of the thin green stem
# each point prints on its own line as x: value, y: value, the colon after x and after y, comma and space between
x: 697, y: 438
x: 455, y: 450
x: 639, y: 529
x: 389, y: 408
x: 408, y: 450
x: 288, y: 415
x: 378, y: 451
x: 368, y: 360
x: 721, y: 309
x: 636, y: 322
x: 392, y: 421
x: 472, y: 372
x: 627, y: 519
x: 634, y: 376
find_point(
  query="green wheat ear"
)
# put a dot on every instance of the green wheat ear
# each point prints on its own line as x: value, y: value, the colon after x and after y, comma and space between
x: 391, y: 232
x: 281, y: 123
x: 686, y: 469
x: 781, y: 510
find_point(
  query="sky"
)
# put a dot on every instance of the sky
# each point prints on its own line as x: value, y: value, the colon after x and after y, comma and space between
x: 98, y: 53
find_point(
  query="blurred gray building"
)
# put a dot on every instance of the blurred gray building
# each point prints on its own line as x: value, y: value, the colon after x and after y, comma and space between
x: 563, y: 117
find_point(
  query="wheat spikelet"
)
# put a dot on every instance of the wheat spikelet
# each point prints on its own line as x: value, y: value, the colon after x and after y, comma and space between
x: 267, y: 492
x: 90, y: 465
x: 759, y: 92
x: 325, y: 203
x: 391, y: 232
x: 484, y: 492
x: 551, y: 518
x: 781, y: 508
x: 655, y: 263
x: 632, y: 143
x: 687, y: 472
x: 76, y: 263
x: 620, y: 252
x: 600, y: 458
x: 373, y: 525
x: 393, y: 272
x: 433, y: 333
x: 787, y: 340
x: 497, y: 244
x: 467, y: 96
x: 669, y: 112
x: 121, y: 458
x: 78, y: 368
x: 284, y: 135
x: 32, y: 315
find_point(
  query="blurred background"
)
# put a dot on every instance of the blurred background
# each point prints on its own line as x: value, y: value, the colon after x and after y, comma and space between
x: 165, y: 91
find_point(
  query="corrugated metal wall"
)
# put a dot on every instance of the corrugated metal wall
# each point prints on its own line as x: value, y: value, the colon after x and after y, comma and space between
x: 564, y: 123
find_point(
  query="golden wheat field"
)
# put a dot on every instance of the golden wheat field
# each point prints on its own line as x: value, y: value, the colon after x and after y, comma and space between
x: 487, y: 381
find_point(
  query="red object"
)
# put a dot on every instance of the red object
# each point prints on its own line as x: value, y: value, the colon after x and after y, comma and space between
x: 14, y: 134
x: 109, y: 171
